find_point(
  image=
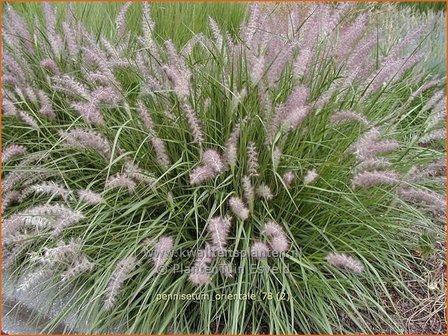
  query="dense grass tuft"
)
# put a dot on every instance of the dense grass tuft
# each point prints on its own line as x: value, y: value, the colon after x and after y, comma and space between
x: 284, y: 172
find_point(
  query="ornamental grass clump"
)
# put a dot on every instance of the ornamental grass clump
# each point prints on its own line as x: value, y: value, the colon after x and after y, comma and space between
x: 285, y: 159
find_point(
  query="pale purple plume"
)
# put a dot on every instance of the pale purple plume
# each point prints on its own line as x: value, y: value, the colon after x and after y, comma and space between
x: 231, y: 148
x: 238, y: 208
x: 49, y: 188
x: 86, y: 138
x: 435, y: 135
x: 9, y: 198
x: 46, y: 106
x: 252, y: 160
x: 277, y: 237
x: 373, y: 164
x: 310, y: 176
x: 79, y: 266
x: 427, y: 197
x: 118, y: 277
x: 120, y: 181
x: 249, y: 192
x: 201, y: 174
x: 264, y: 191
x: 218, y: 228
x: 259, y: 250
x: 368, y: 179
x: 136, y: 173
x: 89, y: 197
x: 344, y: 261
x: 194, y: 124
x: 120, y: 21
x: 211, y: 158
x: 347, y: 116
x: 200, y: 272
x: 51, y: 66
x: 162, y: 251
x: 288, y: 178
x: 11, y: 151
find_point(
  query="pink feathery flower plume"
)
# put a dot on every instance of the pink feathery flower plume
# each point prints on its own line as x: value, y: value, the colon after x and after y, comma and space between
x: 212, y: 159
x: 62, y: 253
x: 344, y: 261
x: 177, y: 71
x: 89, y: 197
x: 84, y: 138
x: 120, y: 181
x: 70, y: 86
x: 50, y: 188
x: 200, y: 272
x: 31, y: 95
x: 18, y: 27
x: 11, y: 66
x: 136, y: 173
x: 252, y: 160
x: 106, y: 95
x: 310, y: 177
x: 162, y: 250
x: 277, y: 237
x: 157, y: 143
x: 62, y: 216
x: 264, y: 191
x: 217, y: 35
x: 433, y: 169
x: 373, y: 163
x: 148, y: 24
x: 349, y: 37
x: 51, y: 66
x: 347, y: 116
x: 369, y: 145
x: 291, y: 114
x: 231, y: 147
x: 438, y: 134
x: 8, y: 107
x: 211, y: 167
x: 427, y: 197
x: 9, y: 198
x: 368, y: 179
x: 89, y: 112
x: 194, y: 124
x: 79, y: 266
x: 426, y: 86
x: 259, y: 250
x: 118, y: 277
x: 120, y: 21
x: 46, y: 107
x: 62, y: 224
x: 391, y: 70
x: 218, y: 228
x: 276, y: 157
x: 279, y: 64
x: 12, y: 151
x: 72, y: 46
x: 310, y: 29
x: 288, y: 178
x: 28, y: 119
x: 201, y: 174
x: 439, y: 95
x: 359, y: 64
x: 14, y: 69
x: 54, y: 39
x: 238, y: 208
x: 249, y: 192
